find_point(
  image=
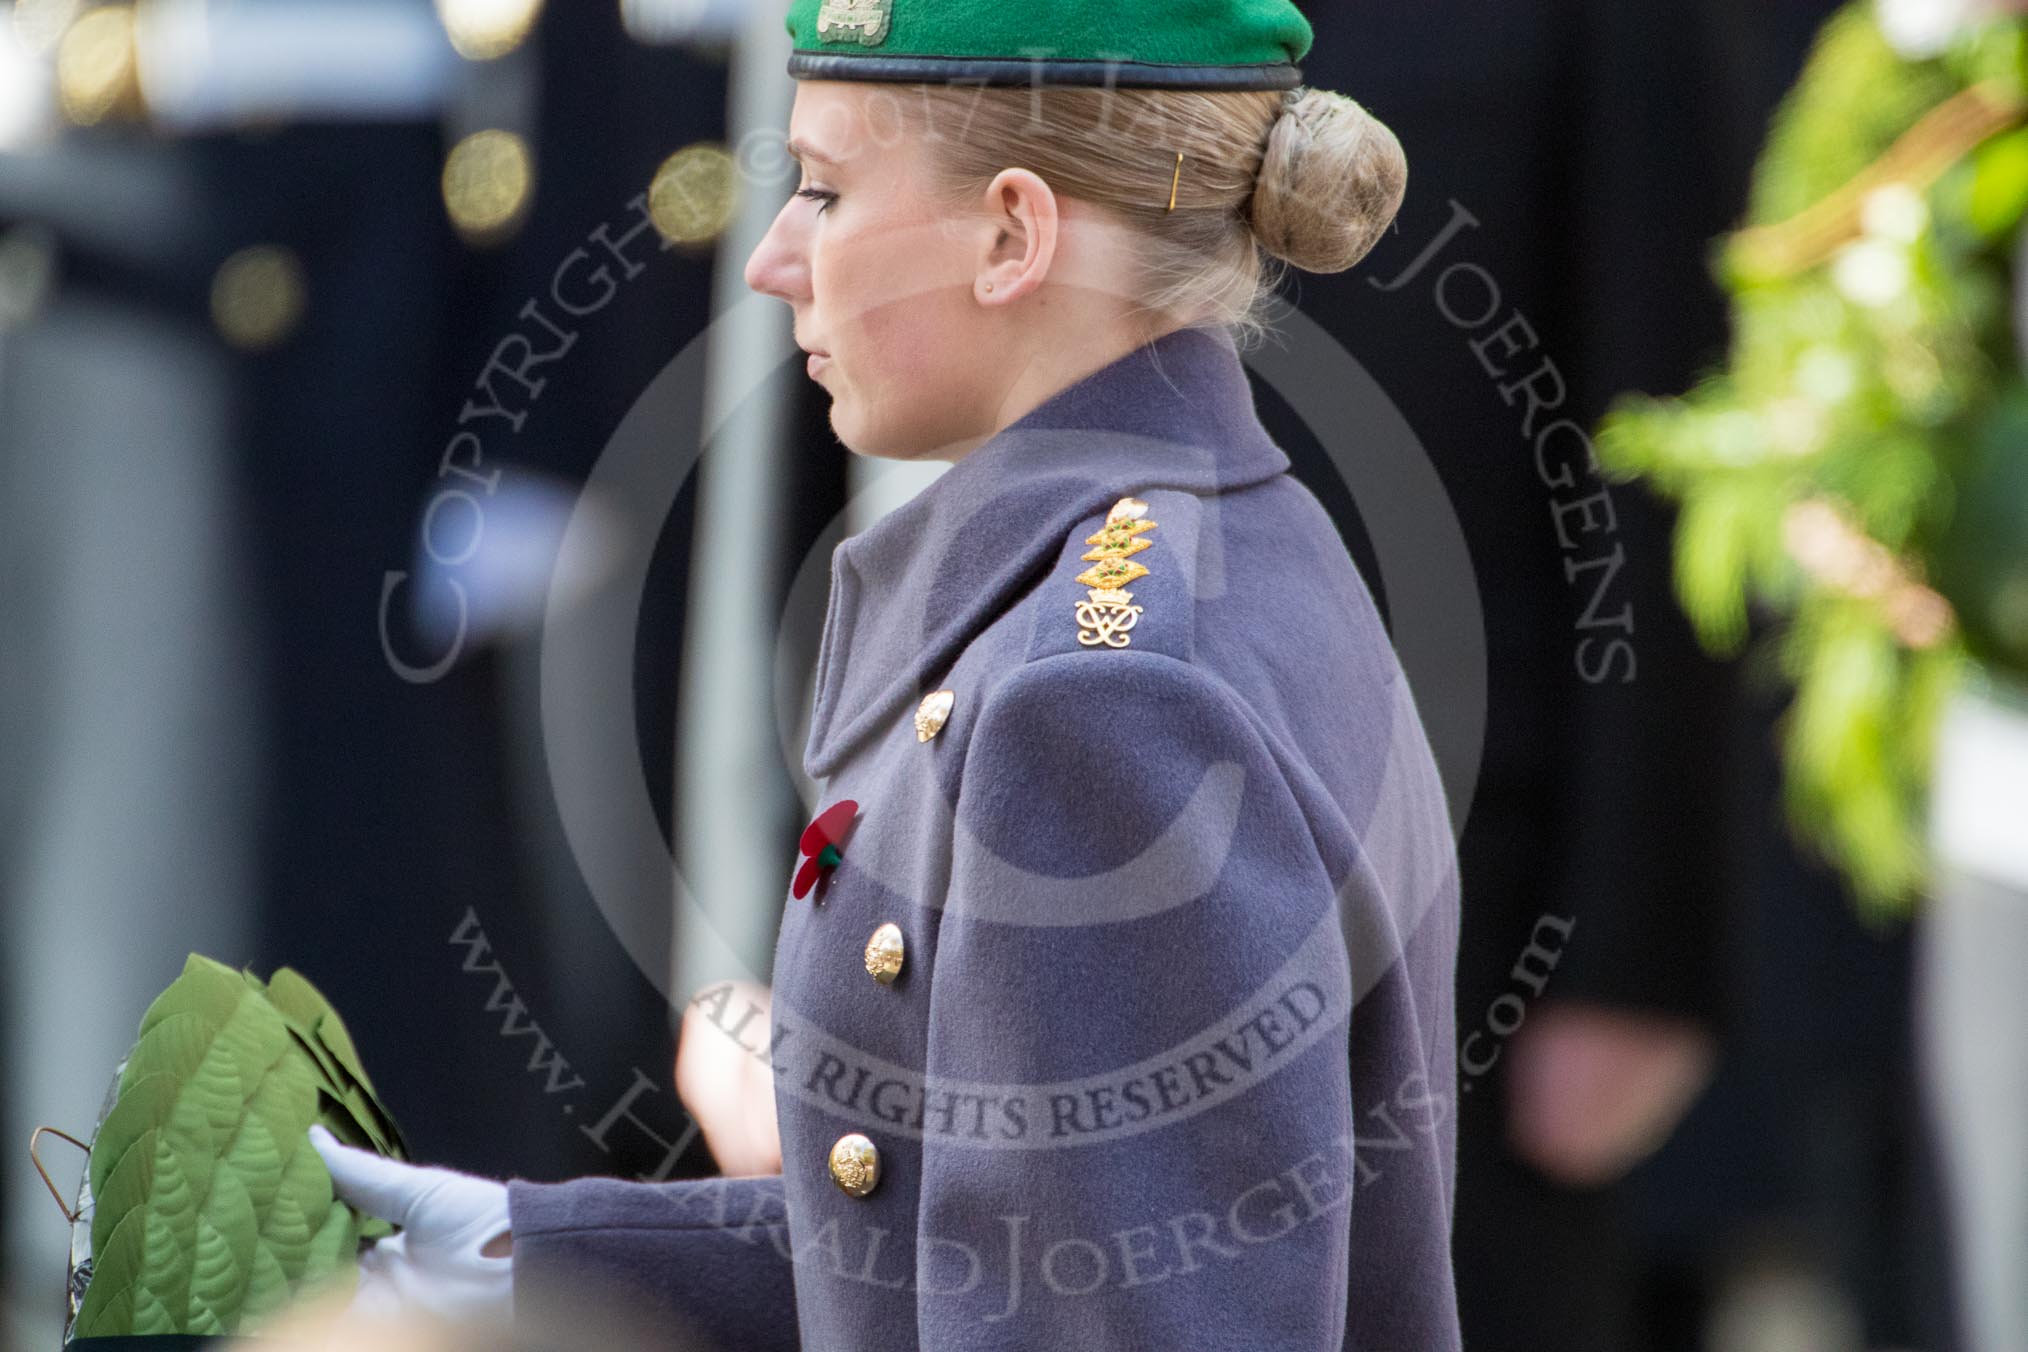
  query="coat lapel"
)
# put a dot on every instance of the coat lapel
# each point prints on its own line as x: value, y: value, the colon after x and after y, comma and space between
x: 909, y: 592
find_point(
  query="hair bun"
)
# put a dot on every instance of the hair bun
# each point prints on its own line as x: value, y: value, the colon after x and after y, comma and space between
x: 1330, y: 182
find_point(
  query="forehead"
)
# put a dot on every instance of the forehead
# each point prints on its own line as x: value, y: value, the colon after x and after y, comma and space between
x: 849, y: 123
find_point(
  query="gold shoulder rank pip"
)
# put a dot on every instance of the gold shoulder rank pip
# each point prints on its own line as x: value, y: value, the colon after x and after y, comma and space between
x: 1105, y: 615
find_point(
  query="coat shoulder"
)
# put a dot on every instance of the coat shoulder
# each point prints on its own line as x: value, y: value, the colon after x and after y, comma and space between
x: 1124, y: 580
x: 1116, y: 653
x: 1111, y: 734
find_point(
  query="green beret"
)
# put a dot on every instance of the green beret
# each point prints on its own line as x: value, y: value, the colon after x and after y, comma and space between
x: 1161, y: 44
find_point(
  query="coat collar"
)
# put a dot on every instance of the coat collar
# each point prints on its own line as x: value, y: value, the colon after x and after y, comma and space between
x: 910, y: 591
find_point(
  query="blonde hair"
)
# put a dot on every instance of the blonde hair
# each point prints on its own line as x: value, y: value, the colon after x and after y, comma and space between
x: 1305, y: 178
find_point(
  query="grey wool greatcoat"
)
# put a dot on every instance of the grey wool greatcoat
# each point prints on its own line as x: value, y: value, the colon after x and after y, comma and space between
x: 1169, y: 1059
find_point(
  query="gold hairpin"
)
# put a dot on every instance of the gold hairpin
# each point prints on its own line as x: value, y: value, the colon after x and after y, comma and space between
x: 1176, y: 180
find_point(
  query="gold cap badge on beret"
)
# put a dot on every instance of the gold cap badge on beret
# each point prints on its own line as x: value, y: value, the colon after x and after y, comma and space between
x: 1105, y: 616
x: 861, y: 21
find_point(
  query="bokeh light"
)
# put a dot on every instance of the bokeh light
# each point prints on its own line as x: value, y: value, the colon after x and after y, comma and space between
x: 257, y: 296
x: 487, y: 181
x: 485, y: 29
x: 97, y: 74
x: 694, y: 194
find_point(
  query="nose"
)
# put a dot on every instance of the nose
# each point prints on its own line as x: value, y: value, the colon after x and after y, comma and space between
x: 779, y: 265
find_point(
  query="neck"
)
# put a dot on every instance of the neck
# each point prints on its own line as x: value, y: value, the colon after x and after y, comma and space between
x: 1049, y: 367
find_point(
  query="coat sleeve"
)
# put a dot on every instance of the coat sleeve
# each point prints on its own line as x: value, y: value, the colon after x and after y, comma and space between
x: 1141, y: 959
x: 705, y: 1260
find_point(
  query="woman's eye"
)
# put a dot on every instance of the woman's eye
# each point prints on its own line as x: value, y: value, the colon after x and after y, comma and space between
x: 819, y: 196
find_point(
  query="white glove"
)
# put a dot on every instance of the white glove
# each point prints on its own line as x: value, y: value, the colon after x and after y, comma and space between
x: 435, y: 1263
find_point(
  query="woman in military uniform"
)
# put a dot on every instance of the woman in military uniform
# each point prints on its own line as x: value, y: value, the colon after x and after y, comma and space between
x: 1113, y: 996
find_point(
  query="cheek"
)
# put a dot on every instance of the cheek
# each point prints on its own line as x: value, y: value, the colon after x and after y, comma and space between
x: 897, y: 304
x: 921, y: 333
x: 886, y: 275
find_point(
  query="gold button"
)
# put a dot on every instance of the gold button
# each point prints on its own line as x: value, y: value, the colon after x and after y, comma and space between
x: 931, y: 713
x: 855, y: 1164
x: 884, y: 954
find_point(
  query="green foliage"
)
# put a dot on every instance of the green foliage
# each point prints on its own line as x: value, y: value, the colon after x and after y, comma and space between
x: 1875, y: 371
x: 1982, y: 560
x: 210, y: 1208
x: 1856, y: 94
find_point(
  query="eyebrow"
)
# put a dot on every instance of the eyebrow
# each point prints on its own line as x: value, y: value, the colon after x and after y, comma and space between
x: 800, y: 150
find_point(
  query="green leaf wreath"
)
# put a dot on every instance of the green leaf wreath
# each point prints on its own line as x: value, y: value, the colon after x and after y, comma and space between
x: 209, y: 1207
x: 1857, y: 470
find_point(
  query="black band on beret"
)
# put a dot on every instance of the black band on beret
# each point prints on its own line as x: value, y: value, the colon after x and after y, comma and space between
x: 1025, y: 73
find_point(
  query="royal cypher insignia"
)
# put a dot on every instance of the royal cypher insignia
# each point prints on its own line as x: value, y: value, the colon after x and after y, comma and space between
x: 863, y: 21
x: 1105, y: 616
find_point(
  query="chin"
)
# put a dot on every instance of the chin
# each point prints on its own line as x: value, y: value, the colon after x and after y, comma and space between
x: 863, y: 439
x: 873, y: 448
x: 845, y: 428
x: 903, y: 434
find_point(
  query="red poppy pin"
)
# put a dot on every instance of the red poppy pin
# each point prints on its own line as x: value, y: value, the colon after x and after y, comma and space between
x: 823, y: 844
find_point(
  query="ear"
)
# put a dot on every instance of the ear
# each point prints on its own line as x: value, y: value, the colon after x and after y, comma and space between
x: 1022, y: 228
